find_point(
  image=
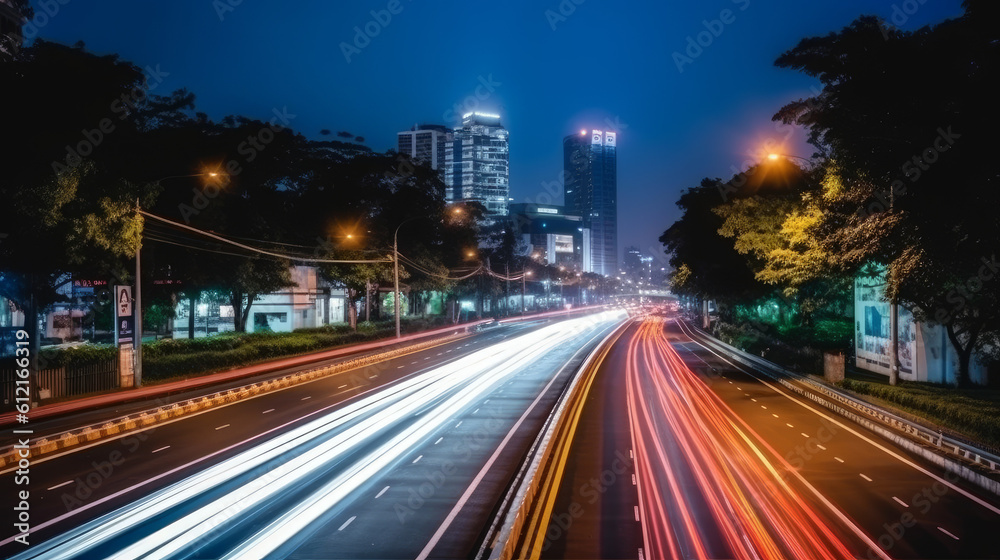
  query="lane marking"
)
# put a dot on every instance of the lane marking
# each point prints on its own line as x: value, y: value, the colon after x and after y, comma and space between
x: 764, y: 407
x: 383, y: 491
x: 864, y: 476
x: 62, y: 484
x: 789, y: 425
x: 945, y: 531
x: 348, y: 522
x: 222, y: 426
x: 475, y: 411
x: 268, y: 410
x: 839, y: 459
x: 855, y: 432
x: 805, y: 435
x: 401, y: 367
x: 821, y: 447
x: 459, y: 423
x: 636, y: 512
x: 439, y: 440
x: 900, y: 502
x: 754, y: 400
x: 160, y: 449
x: 413, y: 362
x: 342, y: 386
x: 419, y: 457
x: 307, y: 398
x: 633, y: 480
x: 773, y: 414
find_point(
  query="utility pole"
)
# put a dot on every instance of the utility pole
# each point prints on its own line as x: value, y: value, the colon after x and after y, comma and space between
x: 138, y: 304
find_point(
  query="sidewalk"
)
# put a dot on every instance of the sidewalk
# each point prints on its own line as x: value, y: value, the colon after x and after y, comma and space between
x: 9, y: 419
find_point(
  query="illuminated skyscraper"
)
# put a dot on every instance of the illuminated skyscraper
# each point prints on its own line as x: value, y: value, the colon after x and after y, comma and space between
x: 426, y: 143
x: 590, y: 162
x: 477, y: 164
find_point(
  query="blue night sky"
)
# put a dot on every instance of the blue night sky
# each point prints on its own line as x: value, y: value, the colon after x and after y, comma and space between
x: 608, y: 65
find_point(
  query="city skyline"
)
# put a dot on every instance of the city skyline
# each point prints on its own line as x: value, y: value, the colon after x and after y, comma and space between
x: 676, y: 125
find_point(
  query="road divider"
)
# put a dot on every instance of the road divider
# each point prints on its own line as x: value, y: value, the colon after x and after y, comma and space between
x: 520, y: 525
x: 967, y: 461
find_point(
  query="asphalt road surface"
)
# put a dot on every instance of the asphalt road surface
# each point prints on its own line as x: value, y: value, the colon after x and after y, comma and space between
x: 682, y: 454
x: 402, y: 459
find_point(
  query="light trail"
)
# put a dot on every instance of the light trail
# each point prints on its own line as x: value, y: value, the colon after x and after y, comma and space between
x: 687, y: 439
x: 327, y: 460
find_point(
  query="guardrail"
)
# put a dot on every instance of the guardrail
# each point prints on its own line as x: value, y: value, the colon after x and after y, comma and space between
x: 874, y: 418
x: 525, y: 511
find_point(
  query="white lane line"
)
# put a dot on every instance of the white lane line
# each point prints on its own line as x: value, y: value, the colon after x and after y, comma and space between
x: 342, y: 386
x: 427, y: 358
x: 61, y: 484
x: 439, y: 440
x: 471, y: 489
x: 764, y: 407
x: 864, y: 476
x: 821, y: 447
x: 401, y: 367
x: 373, y: 376
x: 413, y: 362
x: 383, y: 491
x: 900, y: 502
x: 160, y: 449
x: 633, y: 480
x: 630, y: 454
x: 857, y: 434
x: 268, y: 410
x: 945, y: 531
x: 789, y: 425
x: 805, y: 435
x: 486, y: 401
x: 419, y: 457
x: 636, y: 512
x: 439, y: 353
x: 307, y: 398
x: 348, y: 522
x: 839, y: 459
x: 459, y: 423
x: 754, y: 400
x: 773, y: 414
x: 222, y: 426
x: 447, y: 351
x: 738, y: 388
x: 730, y: 382
x: 475, y: 411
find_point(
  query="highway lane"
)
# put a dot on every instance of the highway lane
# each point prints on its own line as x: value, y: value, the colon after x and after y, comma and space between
x: 908, y: 507
x: 339, y: 456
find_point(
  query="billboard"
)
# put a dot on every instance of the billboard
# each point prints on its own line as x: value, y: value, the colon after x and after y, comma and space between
x: 872, y: 323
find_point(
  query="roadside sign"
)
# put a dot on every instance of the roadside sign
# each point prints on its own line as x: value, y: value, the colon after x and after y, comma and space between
x: 123, y: 301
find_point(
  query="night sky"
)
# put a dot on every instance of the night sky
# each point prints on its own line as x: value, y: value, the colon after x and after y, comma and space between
x: 606, y: 65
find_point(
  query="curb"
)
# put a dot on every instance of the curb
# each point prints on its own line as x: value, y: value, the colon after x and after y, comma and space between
x: 882, y: 424
x: 9, y: 456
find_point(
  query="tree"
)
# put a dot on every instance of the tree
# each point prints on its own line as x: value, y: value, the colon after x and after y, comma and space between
x: 917, y: 185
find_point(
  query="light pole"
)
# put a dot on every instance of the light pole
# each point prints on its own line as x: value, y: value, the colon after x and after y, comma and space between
x: 395, y: 264
x: 138, y: 280
x: 524, y: 274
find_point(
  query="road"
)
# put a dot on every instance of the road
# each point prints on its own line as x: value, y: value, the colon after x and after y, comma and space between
x: 728, y: 464
x: 408, y: 464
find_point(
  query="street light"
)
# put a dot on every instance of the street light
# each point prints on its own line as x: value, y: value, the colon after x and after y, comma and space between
x: 524, y: 275
x: 395, y: 262
x: 138, y: 280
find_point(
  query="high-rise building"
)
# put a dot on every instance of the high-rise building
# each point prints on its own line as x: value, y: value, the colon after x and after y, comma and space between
x: 477, y: 164
x: 590, y: 162
x: 425, y: 143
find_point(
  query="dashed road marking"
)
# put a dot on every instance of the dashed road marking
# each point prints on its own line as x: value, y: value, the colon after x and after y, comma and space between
x: 636, y: 512
x: 821, y: 447
x: 789, y: 425
x: 160, y: 449
x: 348, y: 522
x: 383, y: 491
x: 438, y: 440
x: 419, y: 457
x: 267, y: 411
x: 805, y: 435
x: 307, y: 398
x: 61, y: 484
x: 945, y: 531
x: 900, y: 502
x: 864, y: 476
x: 222, y: 426
x: 839, y: 459
x: 754, y: 400
x: 459, y: 423
x: 342, y: 386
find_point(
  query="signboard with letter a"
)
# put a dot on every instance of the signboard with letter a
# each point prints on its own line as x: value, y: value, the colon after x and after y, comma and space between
x: 124, y: 332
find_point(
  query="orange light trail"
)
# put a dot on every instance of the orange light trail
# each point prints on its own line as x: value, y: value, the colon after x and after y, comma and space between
x: 680, y: 426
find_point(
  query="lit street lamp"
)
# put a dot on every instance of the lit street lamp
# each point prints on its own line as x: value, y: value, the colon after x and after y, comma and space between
x: 138, y: 281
